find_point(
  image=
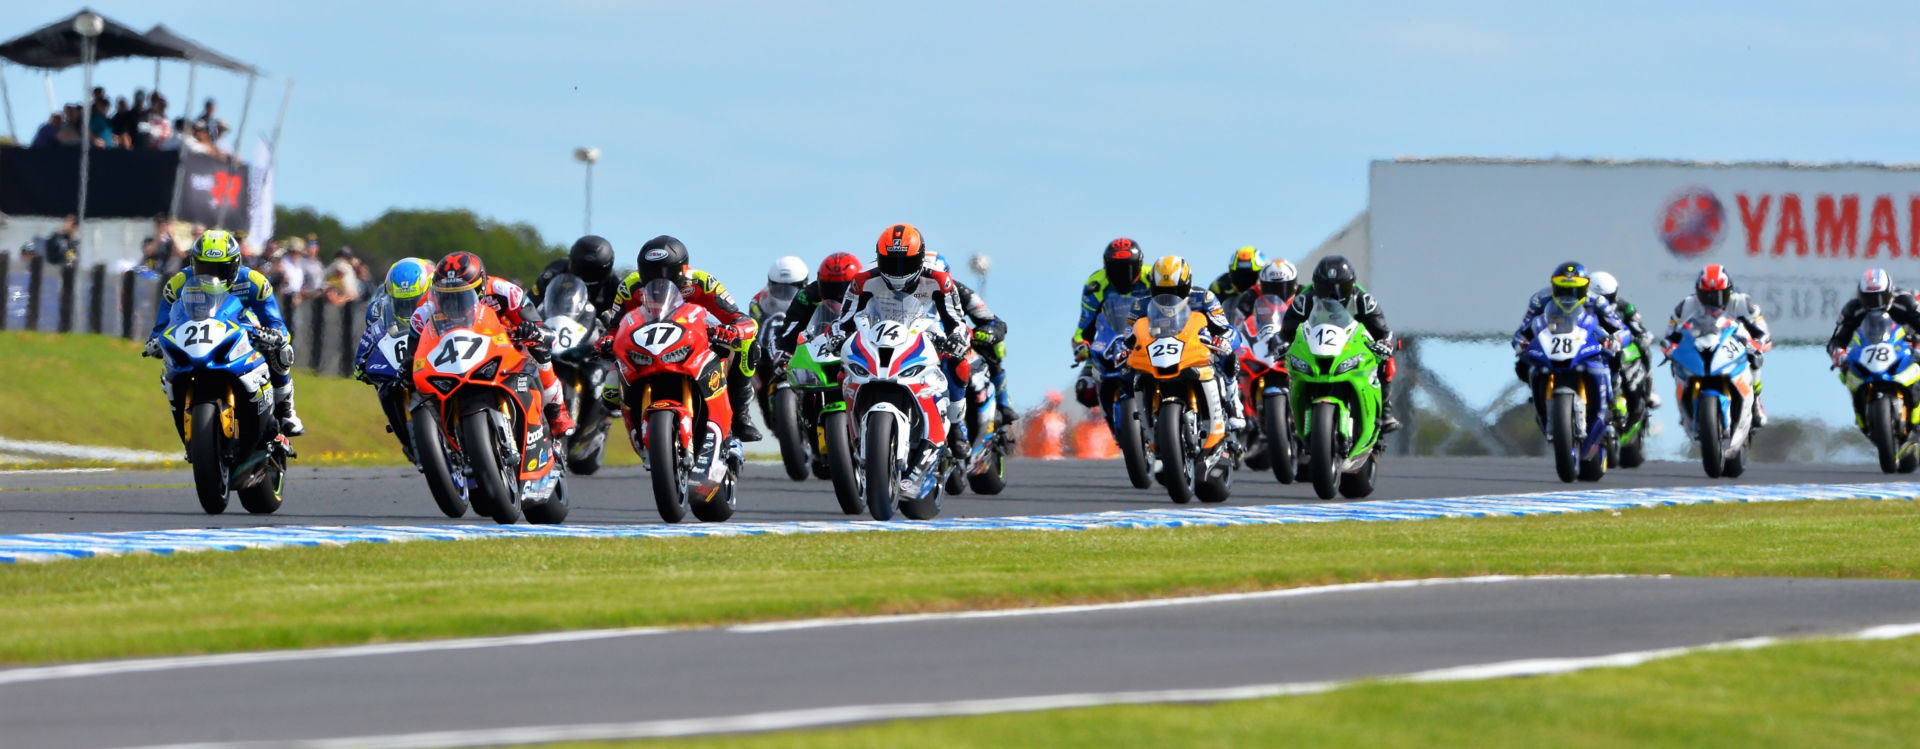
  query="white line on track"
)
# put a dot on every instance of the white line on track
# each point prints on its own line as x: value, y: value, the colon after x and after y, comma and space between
x: 45, y: 471
x: 818, y: 717
x: 148, y: 665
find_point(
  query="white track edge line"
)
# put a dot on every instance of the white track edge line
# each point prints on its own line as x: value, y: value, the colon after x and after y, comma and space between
x: 830, y: 716
x: 173, y: 663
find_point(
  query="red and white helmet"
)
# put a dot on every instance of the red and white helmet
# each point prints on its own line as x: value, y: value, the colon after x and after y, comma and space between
x: 1714, y: 287
x: 1876, y: 289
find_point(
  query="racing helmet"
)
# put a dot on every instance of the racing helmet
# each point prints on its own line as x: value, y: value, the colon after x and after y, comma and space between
x: 1605, y: 285
x: 1122, y: 262
x: 663, y: 257
x: 407, y: 284
x: 1714, y: 287
x: 1244, y: 270
x: 1279, y: 279
x: 216, y: 256
x: 788, y: 271
x: 1876, y: 289
x: 900, y: 256
x: 837, y: 272
x: 1570, y: 284
x: 456, y: 283
x: 591, y: 259
x: 1333, y: 278
x: 1171, y: 275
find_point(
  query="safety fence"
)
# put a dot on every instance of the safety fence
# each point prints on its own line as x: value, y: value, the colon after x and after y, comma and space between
x: 56, y: 298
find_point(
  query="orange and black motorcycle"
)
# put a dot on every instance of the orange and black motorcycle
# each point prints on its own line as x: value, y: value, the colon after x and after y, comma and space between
x: 674, y: 378
x: 484, y: 393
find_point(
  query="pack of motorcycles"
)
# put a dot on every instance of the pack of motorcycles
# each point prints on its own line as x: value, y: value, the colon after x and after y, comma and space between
x: 871, y: 413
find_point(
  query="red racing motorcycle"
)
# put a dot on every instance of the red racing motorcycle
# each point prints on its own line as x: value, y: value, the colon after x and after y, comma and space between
x: 674, y: 382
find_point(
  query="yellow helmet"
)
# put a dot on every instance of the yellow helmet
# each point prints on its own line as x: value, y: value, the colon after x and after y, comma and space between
x: 1171, y: 275
x: 216, y: 255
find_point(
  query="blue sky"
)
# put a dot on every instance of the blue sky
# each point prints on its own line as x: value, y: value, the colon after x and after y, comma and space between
x: 1032, y: 132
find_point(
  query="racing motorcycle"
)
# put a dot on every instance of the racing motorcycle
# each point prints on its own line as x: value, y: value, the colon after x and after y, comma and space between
x: 383, y: 368
x: 983, y: 467
x: 1114, y: 380
x: 1636, y: 385
x: 1174, y: 378
x: 575, y: 327
x: 663, y: 351
x: 1336, y: 400
x: 814, y: 375
x: 779, y: 403
x: 484, y: 394
x: 898, y: 389
x: 1711, y: 364
x: 217, y: 382
x: 1263, y: 387
x: 1878, y: 368
x: 1571, y: 383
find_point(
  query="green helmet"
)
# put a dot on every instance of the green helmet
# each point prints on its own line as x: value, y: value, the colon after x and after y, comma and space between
x: 216, y: 255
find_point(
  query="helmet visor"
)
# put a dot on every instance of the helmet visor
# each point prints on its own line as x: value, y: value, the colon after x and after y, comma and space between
x: 1121, y: 274
x: 401, y: 310
x: 779, y: 297
x: 900, y: 268
x: 1244, y: 278
x: 1876, y: 299
x: 1569, y: 294
x: 455, y: 309
x: 1713, y: 298
x: 1338, y: 290
x: 659, y: 271
x: 1281, y: 289
x: 226, y: 270
x: 833, y: 291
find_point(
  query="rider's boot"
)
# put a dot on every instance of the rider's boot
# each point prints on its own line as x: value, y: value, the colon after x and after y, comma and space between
x: 1388, y: 424
x: 559, y: 422
x: 743, y: 428
x: 283, y: 410
x: 610, y: 399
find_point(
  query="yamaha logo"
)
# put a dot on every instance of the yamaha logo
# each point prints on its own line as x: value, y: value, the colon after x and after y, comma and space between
x: 1691, y: 221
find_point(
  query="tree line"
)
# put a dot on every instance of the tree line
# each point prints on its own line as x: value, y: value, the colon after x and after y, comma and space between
x: 511, y: 250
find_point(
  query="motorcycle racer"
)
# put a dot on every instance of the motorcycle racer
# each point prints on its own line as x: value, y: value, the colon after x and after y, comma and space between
x: 989, y: 337
x: 784, y: 281
x: 1278, y: 278
x: 1172, y: 276
x: 900, y: 266
x: 835, y: 275
x: 590, y: 260
x: 1243, y: 272
x: 1608, y: 288
x: 1714, y: 295
x: 1334, y: 278
x: 406, y: 287
x: 216, y: 256
x: 664, y: 257
x: 1876, y: 292
x: 460, y: 281
x: 1123, y: 270
x: 1568, y: 290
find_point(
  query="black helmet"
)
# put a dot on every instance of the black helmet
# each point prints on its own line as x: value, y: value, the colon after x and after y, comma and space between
x: 1333, y: 278
x: 1122, y: 262
x: 591, y: 259
x: 663, y: 257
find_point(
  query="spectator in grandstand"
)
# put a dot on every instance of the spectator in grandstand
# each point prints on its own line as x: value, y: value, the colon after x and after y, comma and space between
x: 346, y: 278
x: 100, y: 124
x: 48, y: 136
x: 161, y: 253
x: 63, y: 245
x: 70, y: 125
x: 215, y: 126
x: 157, y: 128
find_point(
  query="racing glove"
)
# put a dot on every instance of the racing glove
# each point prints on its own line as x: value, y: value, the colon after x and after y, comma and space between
x: 604, y: 347
x: 1081, y: 350
x: 267, y: 338
x: 1838, y: 356
x: 1381, y: 349
x: 955, y: 346
x: 526, y: 331
x: 152, y: 348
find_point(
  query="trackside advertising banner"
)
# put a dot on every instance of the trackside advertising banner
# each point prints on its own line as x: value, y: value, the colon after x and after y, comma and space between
x: 1459, y: 245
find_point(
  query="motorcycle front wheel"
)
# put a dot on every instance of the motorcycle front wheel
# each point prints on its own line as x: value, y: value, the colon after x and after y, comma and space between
x: 1713, y: 456
x: 207, y: 450
x: 477, y: 444
x: 783, y: 413
x: 1176, y: 474
x: 1880, y: 428
x: 425, y: 430
x: 880, y: 481
x: 1566, y: 452
x: 1276, y: 421
x: 663, y: 464
x: 1322, y: 466
x: 1133, y: 445
x: 846, y: 478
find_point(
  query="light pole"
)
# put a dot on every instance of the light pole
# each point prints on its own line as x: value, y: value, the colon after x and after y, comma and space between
x: 980, y: 264
x: 88, y: 25
x: 588, y: 156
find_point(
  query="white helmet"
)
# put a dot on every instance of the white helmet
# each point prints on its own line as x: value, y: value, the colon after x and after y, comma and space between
x: 1279, y: 277
x: 788, y: 270
x: 1604, y: 284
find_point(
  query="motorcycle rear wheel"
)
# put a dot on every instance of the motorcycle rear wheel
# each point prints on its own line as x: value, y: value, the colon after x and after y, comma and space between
x: 783, y: 411
x: 207, y: 451
x: 993, y: 480
x: 1277, y: 421
x: 553, y: 510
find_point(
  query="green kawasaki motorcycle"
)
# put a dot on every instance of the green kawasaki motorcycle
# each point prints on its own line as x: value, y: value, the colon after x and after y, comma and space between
x: 1336, y: 400
x: 820, y: 410
x: 1631, y: 405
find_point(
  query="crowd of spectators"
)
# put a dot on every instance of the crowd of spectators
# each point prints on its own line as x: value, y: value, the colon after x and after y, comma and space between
x: 140, y: 124
x: 292, y: 265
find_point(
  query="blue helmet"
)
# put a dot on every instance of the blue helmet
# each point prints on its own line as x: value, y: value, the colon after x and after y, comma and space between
x: 407, y: 284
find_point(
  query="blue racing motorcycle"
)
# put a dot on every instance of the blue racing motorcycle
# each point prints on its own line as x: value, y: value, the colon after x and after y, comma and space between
x: 218, y: 385
x: 1572, y: 384
x: 1878, y: 370
x: 1712, y: 364
x: 1114, y: 380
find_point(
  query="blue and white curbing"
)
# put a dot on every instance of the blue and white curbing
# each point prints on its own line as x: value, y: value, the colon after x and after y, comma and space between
x: 34, y: 547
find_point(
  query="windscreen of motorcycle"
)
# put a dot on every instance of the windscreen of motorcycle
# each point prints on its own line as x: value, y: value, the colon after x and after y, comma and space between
x: 779, y: 297
x: 659, y: 299
x: 820, y: 344
x: 453, y: 310
x: 566, y: 296
x: 195, y: 323
x: 1267, y: 314
x: 1115, y: 312
x: 1562, y: 336
x: 1874, y: 341
x: 1167, y: 315
x: 896, y: 306
x: 1329, y: 327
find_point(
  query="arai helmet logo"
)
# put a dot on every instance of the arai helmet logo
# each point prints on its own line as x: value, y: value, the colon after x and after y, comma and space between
x: 1691, y: 221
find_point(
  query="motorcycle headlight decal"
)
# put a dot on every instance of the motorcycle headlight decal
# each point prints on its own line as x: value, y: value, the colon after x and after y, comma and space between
x: 677, y: 355
x: 639, y: 358
x: 488, y: 370
x: 858, y: 370
x: 1298, y: 364
x: 1348, y: 365
x: 443, y: 384
x: 913, y: 371
x: 224, y: 351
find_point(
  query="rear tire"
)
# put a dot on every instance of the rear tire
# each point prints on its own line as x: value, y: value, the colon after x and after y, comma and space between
x: 878, y: 447
x: 429, y: 447
x: 1359, y: 484
x: 476, y: 441
x: 1880, y: 428
x: 206, y: 450
x: 264, y: 498
x: 993, y: 480
x: 783, y: 411
x: 1320, y: 459
x: 552, y: 511
x: 663, y: 452
x: 1176, y: 474
x: 956, y: 482
x: 1276, y: 419
x: 588, y: 464
x: 1634, y: 452
x: 1133, y: 446
x: 846, y: 478
x: 1736, y: 465
x: 1712, y: 456
x: 1566, y: 454
x: 718, y: 509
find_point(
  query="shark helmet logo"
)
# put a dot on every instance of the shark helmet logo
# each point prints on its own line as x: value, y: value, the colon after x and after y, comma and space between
x: 1691, y: 221
x: 657, y: 254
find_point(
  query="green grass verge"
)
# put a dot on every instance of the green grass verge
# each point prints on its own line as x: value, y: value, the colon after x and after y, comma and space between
x: 247, y: 600
x: 1816, y: 693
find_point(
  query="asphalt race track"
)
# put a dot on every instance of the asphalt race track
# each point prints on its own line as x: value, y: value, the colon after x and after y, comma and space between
x: 125, y: 501
x: 721, y: 673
